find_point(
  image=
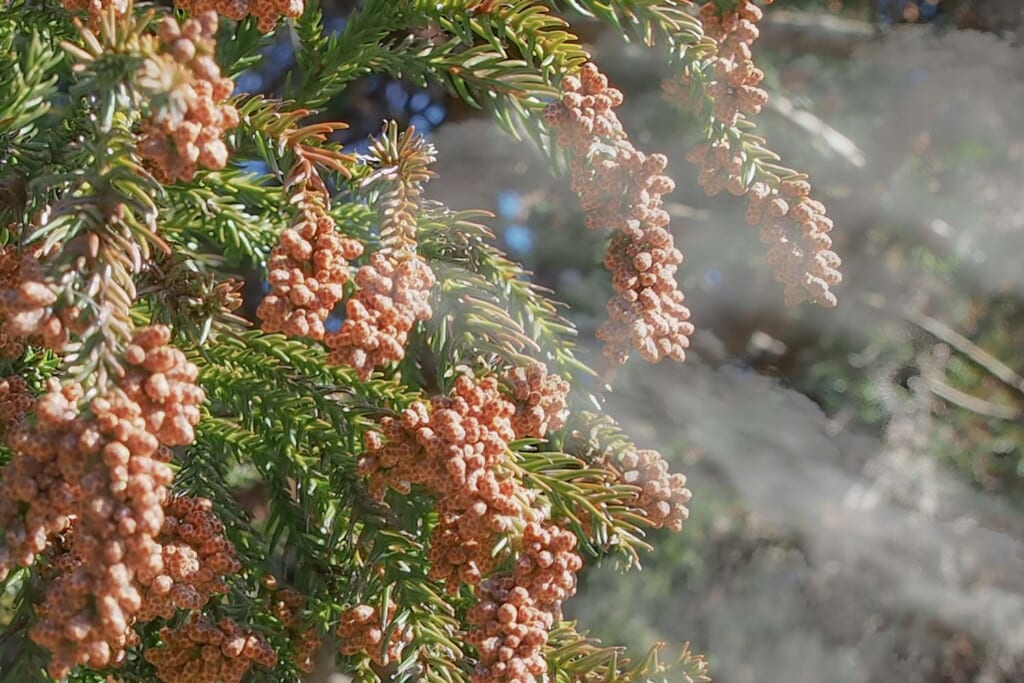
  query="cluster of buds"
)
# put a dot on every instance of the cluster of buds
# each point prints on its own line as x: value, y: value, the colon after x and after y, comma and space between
x: 393, y: 294
x: 309, y: 267
x: 621, y: 188
x: 514, y: 613
x: 106, y: 466
x: 453, y: 450
x: 189, y: 117
x: 539, y: 398
x: 162, y: 381
x: 196, y: 556
x: 267, y: 12
x: 661, y: 495
x: 289, y: 606
x: 362, y: 629
x: 203, y: 652
x: 25, y: 305
x: 117, y: 466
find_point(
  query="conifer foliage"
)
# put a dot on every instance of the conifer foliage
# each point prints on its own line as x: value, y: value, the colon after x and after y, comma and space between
x: 397, y: 460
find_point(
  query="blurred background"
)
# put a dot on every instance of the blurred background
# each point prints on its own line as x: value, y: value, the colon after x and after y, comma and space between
x: 857, y: 473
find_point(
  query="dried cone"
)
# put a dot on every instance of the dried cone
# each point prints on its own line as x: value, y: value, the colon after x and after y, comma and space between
x: 186, y: 125
x: 621, y: 188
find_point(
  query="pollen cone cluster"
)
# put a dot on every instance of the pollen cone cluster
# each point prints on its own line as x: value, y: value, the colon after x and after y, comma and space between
x: 394, y: 287
x: 201, y: 651
x: 267, y: 12
x: 795, y: 228
x: 196, y: 556
x: 515, y: 612
x: 539, y: 398
x: 621, y: 188
x: 733, y: 88
x: 35, y: 501
x: 289, y: 606
x: 25, y: 305
x: 393, y: 294
x: 455, y: 448
x: 309, y: 266
x: 730, y: 88
x: 662, y: 496
x: 793, y: 225
x: 106, y: 466
x: 95, y: 7
x: 452, y: 449
x: 362, y: 630
x: 189, y: 117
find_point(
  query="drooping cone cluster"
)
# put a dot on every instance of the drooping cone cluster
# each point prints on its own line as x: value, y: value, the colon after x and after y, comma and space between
x: 455, y: 448
x: 25, y: 305
x: 201, y: 651
x: 539, y: 398
x: 309, y: 267
x: 793, y: 225
x: 394, y: 287
x: 196, y: 556
x: 733, y: 88
x: 362, y: 630
x: 289, y: 606
x: 452, y: 449
x: 267, y: 12
x: 662, y: 495
x: 107, y: 467
x: 795, y: 228
x: 621, y: 188
x: 515, y: 612
x: 188, y: 116
x: 36, y: 502
x: 393, y: 294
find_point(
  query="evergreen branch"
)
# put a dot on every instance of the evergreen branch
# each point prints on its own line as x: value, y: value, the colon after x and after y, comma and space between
x: 269, y: 129
x: 591, y: 500
x: 652, y: 22
x: 573, y: 657
x: 28, y: 76
x: 232, y: 213
x: 520, y: 316
x: 329, y: 62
